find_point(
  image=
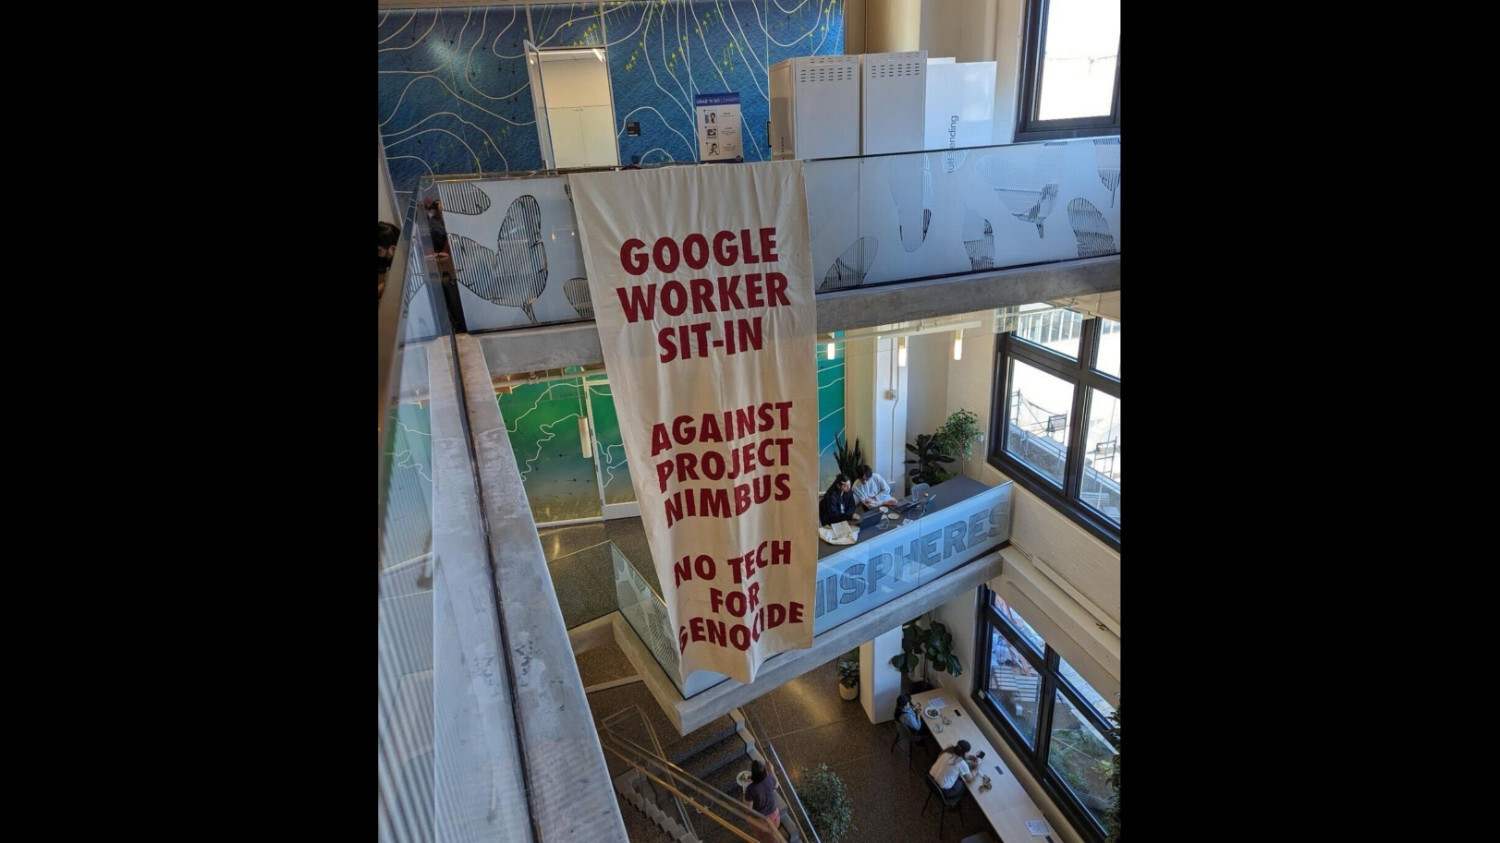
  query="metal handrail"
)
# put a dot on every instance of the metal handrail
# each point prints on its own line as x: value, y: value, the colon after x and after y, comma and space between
x: 705, y: 798
x: 610, y: 724
x: 797, y: 813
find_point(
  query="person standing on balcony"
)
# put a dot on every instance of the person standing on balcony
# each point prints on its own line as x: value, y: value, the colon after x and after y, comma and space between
x: 386, y: 237
x: 760, y: 795
x: 838, y: 503
x: 872, y: 490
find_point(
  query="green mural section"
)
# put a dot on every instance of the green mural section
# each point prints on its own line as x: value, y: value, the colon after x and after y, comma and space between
x: 609, y: 445
x: 562, y: 484
x: 542, y: 419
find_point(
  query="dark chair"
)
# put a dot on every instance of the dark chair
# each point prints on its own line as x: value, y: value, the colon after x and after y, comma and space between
x: 912, y: 739
x: 954, y: 803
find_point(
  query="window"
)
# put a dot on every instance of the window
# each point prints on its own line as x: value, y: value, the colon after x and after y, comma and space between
x: 1056, y: 429
x: 1070, y: 74
x: 1051, y: 716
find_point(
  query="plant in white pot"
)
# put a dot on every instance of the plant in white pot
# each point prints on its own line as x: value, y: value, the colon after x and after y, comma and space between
x: 849, y: 674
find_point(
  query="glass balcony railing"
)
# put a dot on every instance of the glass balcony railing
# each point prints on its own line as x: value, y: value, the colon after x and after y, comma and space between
x: 873, y: 221
x: 906, y: 550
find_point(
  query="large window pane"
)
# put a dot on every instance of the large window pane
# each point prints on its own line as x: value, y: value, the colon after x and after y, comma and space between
x: 1084, y: 689
x: 1108, y: 360
x: 1038, y: 431
x: 1009, y: 613
x: 1081, y: 757
x: 1081, y: 54
x: 1014, y: 686
x: 1059, y: 330
x: 1101, y: 470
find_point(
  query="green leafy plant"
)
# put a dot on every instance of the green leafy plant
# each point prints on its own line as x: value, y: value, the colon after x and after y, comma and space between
x: 927, y: 464
x: 1112, y: 819
x: 958, y: 434
x: 849, y: 669
x: 848, y: 460
x: 828, y: 805
x: 935, y: 643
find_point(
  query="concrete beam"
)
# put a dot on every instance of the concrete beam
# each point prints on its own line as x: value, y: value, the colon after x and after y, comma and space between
x: 704, y: 707
x: 566, y: 776
x: 577, y: 344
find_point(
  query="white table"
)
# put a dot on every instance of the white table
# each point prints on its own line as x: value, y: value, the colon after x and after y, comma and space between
x: 1006, y: 804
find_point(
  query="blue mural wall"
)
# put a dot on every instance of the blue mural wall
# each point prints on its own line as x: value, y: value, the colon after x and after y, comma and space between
x: 455, y: 98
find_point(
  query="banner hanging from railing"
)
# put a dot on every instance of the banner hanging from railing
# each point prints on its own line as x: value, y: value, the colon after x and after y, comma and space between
x: 701, y: 281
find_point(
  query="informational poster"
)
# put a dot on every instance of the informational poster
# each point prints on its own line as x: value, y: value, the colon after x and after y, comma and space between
x: 701, y: 281
x: 719, y: 127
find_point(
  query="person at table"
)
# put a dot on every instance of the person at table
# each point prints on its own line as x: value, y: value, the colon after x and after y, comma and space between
x: 872, y: 490
x: 838, y: 503
x: 906, y: 715
x: 952, y: 771
x: 760, y: 795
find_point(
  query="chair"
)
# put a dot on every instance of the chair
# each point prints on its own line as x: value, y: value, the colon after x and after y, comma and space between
x: 912, y: 739
x: 919, y: 503
x: 948, y: 803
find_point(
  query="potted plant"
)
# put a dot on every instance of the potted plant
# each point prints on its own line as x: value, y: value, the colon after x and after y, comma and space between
x: 927, y: 464
x: 933, y: 643
x: 954, y: 439
x: 958, y: 434
x: 827, y: 803
x: 848, y: 460
x: 1112, y: 819
x: 849, y: 674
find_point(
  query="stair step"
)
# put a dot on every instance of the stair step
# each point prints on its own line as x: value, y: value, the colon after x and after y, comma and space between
x: 699, y: 740
x: 714, y: 758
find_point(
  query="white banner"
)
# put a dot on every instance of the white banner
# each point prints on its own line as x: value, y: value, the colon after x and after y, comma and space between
x: 701, y: 280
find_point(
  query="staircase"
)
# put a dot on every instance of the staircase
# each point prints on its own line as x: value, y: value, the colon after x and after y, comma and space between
x: 705, y: 762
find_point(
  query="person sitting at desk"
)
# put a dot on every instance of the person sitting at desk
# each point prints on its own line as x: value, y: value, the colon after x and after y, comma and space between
x: 906, y: 713
x: 952, y: 770
x: 838, y: 503
x: 872, y: 490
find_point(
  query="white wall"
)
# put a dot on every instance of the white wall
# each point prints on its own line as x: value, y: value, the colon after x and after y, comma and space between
x: 927, y: 359
x: 968, y: 30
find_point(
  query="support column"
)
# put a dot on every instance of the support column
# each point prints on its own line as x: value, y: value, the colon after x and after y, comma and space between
x: 879, y: 683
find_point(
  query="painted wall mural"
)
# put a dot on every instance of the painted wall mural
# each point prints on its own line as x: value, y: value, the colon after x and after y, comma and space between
x: 455, y: 97
x: 542, y: 421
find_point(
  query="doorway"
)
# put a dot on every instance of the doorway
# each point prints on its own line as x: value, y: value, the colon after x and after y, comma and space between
x: 575, y: 110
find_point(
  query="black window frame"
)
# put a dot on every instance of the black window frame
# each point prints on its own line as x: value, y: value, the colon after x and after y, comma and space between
x: 1028, y: 126
x: 1047, y: 663
x: 1079, y: 372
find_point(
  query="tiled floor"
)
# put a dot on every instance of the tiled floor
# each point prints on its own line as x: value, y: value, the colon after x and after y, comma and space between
x: 807, y: 722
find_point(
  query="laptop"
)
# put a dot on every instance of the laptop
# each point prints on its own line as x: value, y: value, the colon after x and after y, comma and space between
x: 906, y: 505
x: 870, y: 519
